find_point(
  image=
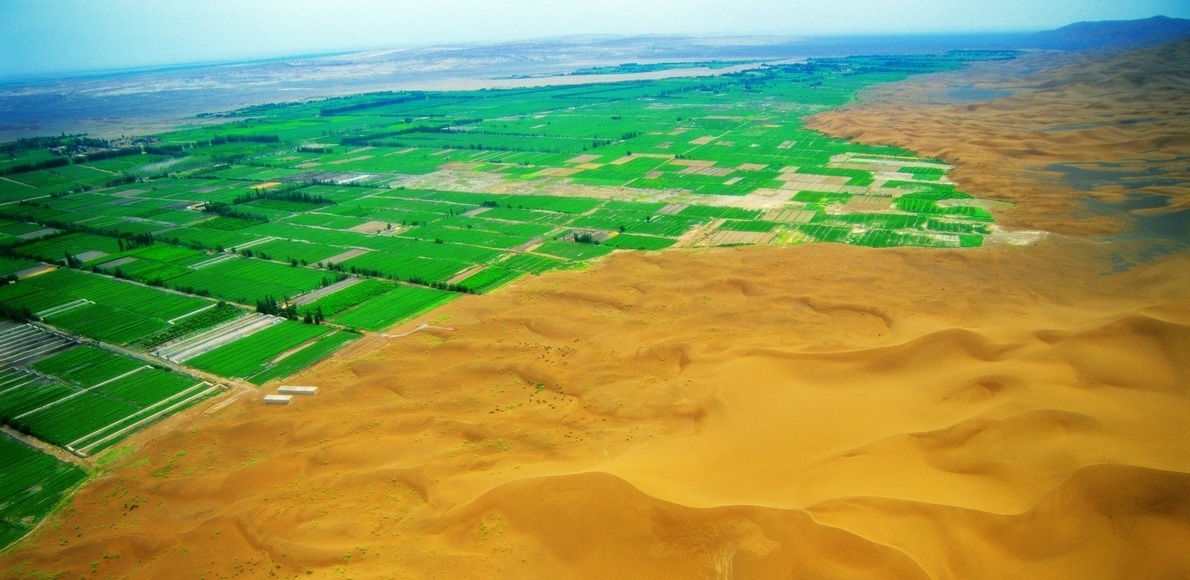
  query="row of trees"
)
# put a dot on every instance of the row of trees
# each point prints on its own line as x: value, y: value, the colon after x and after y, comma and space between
x: 287, y: 309
x: 289, y: 194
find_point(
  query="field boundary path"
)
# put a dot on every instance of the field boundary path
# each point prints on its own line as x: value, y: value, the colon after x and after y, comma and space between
x: 420, y: 327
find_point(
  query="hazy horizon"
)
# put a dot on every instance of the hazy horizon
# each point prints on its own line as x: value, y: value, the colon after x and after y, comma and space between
x: 53, y: 37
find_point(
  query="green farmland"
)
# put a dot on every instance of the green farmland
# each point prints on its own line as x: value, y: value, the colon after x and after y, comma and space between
x: 243, y: 252
x: 250, y: 355
x: 86, y: 399
x: 32, y: 483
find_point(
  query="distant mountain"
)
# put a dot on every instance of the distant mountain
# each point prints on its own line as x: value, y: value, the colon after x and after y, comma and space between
x: 1112, y: 34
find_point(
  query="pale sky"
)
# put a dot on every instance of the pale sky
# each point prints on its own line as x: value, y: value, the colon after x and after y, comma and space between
x: 75, y: 35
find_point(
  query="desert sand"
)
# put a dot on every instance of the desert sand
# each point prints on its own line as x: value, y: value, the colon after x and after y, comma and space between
x: 818, y: 411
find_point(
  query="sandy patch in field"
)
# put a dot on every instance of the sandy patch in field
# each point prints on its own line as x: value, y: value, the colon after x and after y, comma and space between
x: 691, y: 162
x: 789, y: 216
x: 89, y: 255
x: 349, y: 254
x: 627, y: 158
x: 811, y: 181
x: 863, y: 203
x: 460, y: 166
x: 370, y: 227
x: 583, y: 159
x: 728, y: 238
x: 350, y: 160
x: 33, y: 235
x: 557, y: 172
x: 707, y: 170
x: 702, y: 140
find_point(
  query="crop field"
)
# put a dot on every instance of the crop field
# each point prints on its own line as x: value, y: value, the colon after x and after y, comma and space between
x: 532, y: 263
x: 490, y: 278
x: 349, y: 297
x: 99, y: 307
x: 32, y: 484
x: 10, y: 266
x: 398, y: 304
x: 86, y: 398
x: 305, y: 357
x: 636, y: 242
x: 246, y: 281
x: 256, y: 352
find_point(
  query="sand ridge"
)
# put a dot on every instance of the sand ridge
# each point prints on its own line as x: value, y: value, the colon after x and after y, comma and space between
x: 818, y: 411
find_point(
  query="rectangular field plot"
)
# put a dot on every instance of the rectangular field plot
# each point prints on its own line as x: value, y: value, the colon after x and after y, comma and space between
x: 532, y: 264
x: 256, y: 352
x: 348, y: 297
x: 305, y: 357
x: 399, y: 304
x: 10, y: 266
x: 99, y: 307
x: 400, y: 266
x: 191, y: 324
x: 573, y: 250
x: 326, y: 220
x: 635, y: 242
x: 32, y: 483
x: 490, y: 278
x: 86, y: 399
x: 246, y: 280
x: 79, y: 244
x: 21, y: 344
x: 304, y: 252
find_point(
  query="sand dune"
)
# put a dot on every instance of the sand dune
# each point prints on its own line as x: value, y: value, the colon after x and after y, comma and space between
x: 1123, y: 117
x: 1104, y: 521
x: 817, y: 411
x: 1005, y: 412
